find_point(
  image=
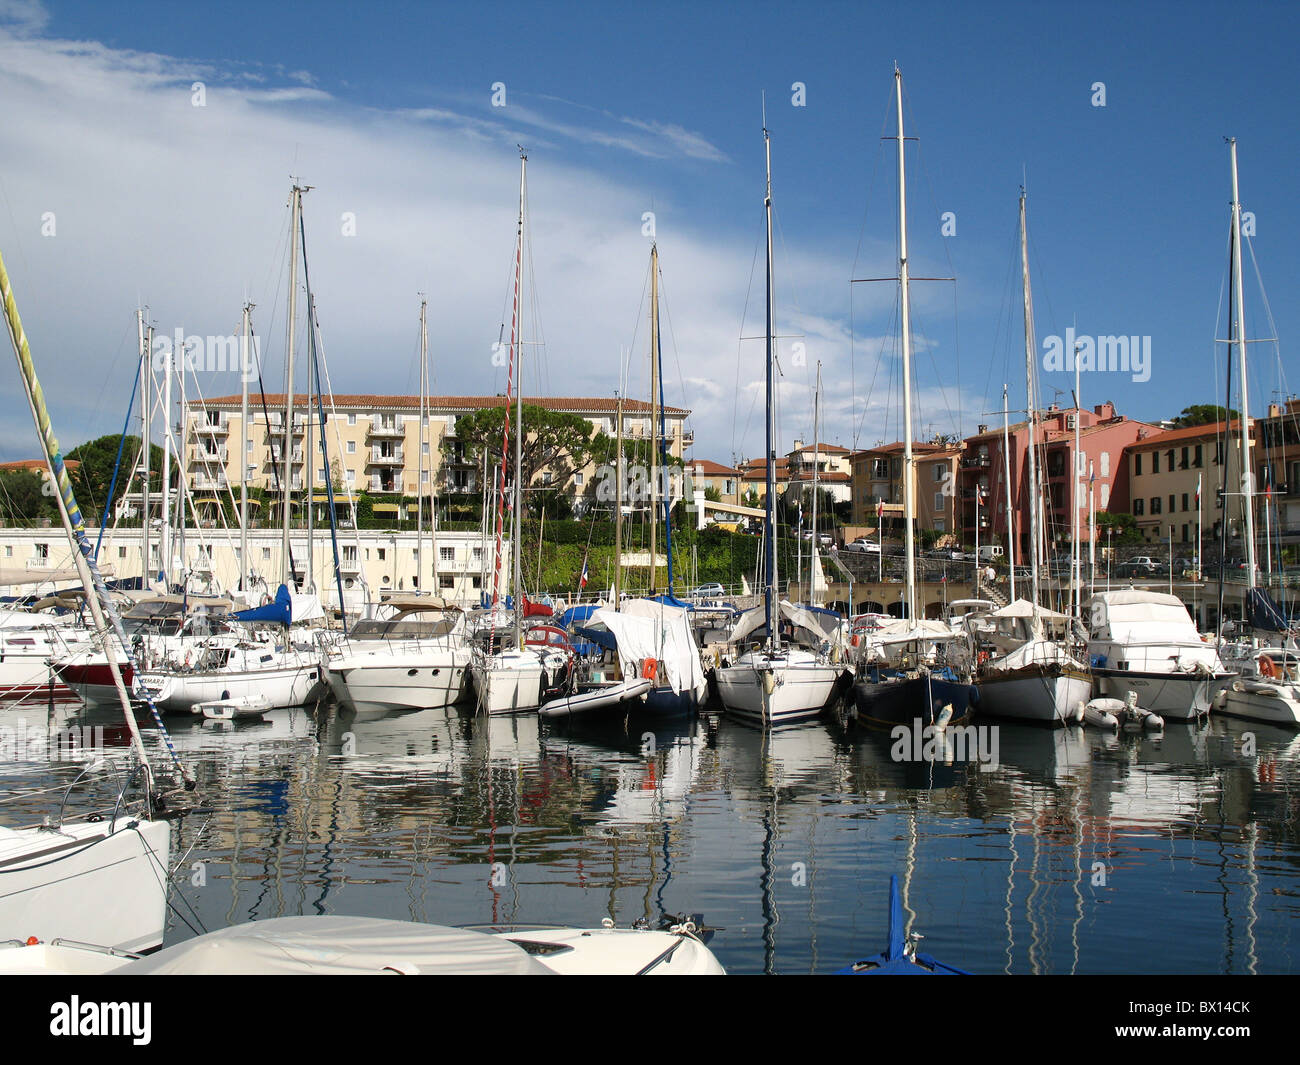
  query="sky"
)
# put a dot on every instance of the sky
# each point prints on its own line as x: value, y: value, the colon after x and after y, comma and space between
x: 147, y: 151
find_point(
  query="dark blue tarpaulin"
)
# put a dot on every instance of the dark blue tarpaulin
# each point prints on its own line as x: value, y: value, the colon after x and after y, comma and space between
x: 1263, y: 613
x: 276, y: 611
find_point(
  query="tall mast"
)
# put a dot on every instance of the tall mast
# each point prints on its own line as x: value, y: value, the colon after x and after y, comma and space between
x: 618, y: 494
x: 286, y: 485
x: 1006, y: 465
x: 166, y: 538
x: 245, y: 362
x: 424, y: 428
x: 812, y: 556
x: 309, y: 452
x: 1239, y: 338
x: 909, y: 489
x: 146, y: 413
x: 515, y: 545
x: 654, y: 413
x: 770, y: 592
x: 1029, y: 392
x: 1076, y: 587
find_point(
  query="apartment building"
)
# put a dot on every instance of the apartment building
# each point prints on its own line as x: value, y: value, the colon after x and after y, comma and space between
x: 375, y: 443
x: 877, y: 482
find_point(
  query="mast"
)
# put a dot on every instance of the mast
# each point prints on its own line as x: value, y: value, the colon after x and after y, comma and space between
x: 1029, y: 392
x: 1076, y: 554
x: 1239, y: 338
x: 244, y: 363
x: 618, y: 497
x: 812, y: 555
x: 146, y: 413
x: 770, y: 592
x: 166, y: 537
x: 286, y: 485
x: 309, y: 451
x: 654, y: 412
x: 515, y: 545
x: 424, y: 428
x: 1006, y: 463
x: 909, y: 489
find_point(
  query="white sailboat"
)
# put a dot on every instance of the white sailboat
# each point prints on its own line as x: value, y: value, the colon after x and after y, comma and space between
x: 1269, y: 686
x: 1039, y: 678
x: 775, y: 684
x: 511, y: 674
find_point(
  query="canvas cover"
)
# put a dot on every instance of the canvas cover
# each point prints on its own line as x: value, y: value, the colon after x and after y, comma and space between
x: 1140, y: 617
x: 340, y: 946
x: 646, y: 629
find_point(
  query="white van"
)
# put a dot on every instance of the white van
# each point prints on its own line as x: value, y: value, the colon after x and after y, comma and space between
x: 990, y: 552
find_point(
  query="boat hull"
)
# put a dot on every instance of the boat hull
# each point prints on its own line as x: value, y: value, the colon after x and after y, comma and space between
x: 179, y: 693
x: 48, y: 878
x: 1034, y: 693
x: 1174, y: 696
x: 400, y: 683
x: 889, y: 702
x: 776, y: 691
x: 1275, y: 704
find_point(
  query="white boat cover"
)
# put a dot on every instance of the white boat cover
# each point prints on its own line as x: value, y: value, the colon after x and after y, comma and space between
x: 816, y: 625
x: 1136, y: 617
x: 645, y: 629
x: 1023, y: 608
x: 1035, y: 653
x: 341, y: 946
x: 305, y: 608
x: 907, y: 630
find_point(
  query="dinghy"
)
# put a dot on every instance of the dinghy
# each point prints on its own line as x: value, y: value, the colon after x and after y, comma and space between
x: 598, y: 697
x: 239, y: 708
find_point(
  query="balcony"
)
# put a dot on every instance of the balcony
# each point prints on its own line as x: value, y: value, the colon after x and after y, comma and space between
x: 217, y: 456
x: 379, y: 457
x: 383, y: 485
x: 386, y: 429
x: 207, y: 428
x: 276, y: 425
x: 204, y: 482
x: 975, y: 462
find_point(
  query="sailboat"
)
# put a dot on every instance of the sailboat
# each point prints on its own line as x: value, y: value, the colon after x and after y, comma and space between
x: 512, y: 674
x: 1037, y: 678
x: 93, y: 879
x: 913, y: 689
x: 774, y: 684
x: 1269, y: 686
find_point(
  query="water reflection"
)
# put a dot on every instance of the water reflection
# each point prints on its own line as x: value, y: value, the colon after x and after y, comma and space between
x: 1072, y: 851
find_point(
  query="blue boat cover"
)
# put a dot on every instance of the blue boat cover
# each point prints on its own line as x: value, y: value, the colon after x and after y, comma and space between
x: 895, y: 961
x: 1263, y: 613
x: 276, y: 611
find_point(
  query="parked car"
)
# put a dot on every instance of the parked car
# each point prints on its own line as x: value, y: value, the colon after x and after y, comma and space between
x: 708, y: 591
x: 863, y: 544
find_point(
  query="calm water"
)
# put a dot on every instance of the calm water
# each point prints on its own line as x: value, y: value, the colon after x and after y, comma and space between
x: 1077, y: 852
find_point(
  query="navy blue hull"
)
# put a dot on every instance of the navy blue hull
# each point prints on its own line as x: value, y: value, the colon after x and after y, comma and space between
x: 889, y: 701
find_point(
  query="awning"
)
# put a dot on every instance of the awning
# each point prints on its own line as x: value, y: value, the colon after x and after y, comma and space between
x: 208, y: 499
x: 384, y: 508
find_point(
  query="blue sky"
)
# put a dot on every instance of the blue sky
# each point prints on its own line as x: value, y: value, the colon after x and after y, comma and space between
x: 387, y: 111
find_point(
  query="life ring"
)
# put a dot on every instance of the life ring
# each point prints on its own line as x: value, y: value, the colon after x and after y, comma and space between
x: 856, y: 639
x: 1267, y: 667
x: 649, y: 668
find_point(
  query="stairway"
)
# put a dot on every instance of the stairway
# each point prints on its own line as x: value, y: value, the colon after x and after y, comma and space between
x: 993, y: 595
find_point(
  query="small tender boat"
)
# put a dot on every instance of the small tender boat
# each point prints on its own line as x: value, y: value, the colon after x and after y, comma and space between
x: 315, y: 946
x: 598, y: 697
x: 1103, y: 713
x: 899, y: 958
x: 239, y: 708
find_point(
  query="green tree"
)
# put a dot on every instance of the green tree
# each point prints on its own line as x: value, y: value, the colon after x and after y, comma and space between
x: 23, y: 498
x: 1203, y: 414
x: 91, y: 479
x: 554, y: 442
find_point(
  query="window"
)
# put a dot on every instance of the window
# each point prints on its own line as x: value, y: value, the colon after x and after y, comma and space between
x: 478, y: 553
x: 1155, y: 504
x: 1137, y: 464
x: 1155, y: 462
x: 121, y: 552
x: 349, y: 553
x: 383, y: 552
x: 424, y: 447
x: 249, y: 448
x: 1184, y: 500
x: 352, y: 476
x: 1138, y: 507
x: 1196, y: 456
x: 424, y: 476
x: 352, y: 446
x: 1172, y: 497
x: 352, y: 419
x: 1183, y: 464
x: 1218, y: 453
x: 546, y: 479
x: 940, y: 501
x: 938, y: 469
x: 1169, y: 457
x: 730, y: 488
x: 879, y: 468
x: 42, y: 552
x: 448, y: 554
x: 1185, y: 532
x: 445, y: 581
x: 320, y: 474
x: 577, y: 481
x: 266, y: 554
x: 476, y: 581
x: 939, y: 525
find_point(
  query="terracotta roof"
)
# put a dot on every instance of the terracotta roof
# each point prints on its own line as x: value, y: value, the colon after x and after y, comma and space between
x: 35, y: 465
x: 1191, y: 432
x: 712, y: 469
x: 574, y: 404
x: 825, y: 477
x: 918, y: 448
x: 826, y: 449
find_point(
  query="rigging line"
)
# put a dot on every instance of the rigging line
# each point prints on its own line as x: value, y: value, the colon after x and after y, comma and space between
x: 794, y: 299
x: 117, y: 464
x: 744, y: 315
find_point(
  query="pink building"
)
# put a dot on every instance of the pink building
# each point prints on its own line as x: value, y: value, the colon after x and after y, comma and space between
x: 1103, y: 436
